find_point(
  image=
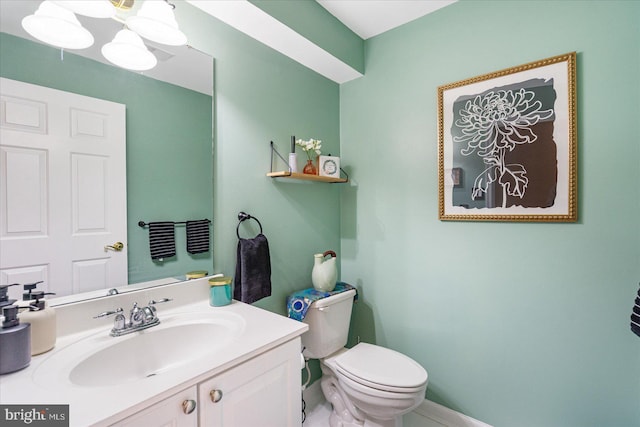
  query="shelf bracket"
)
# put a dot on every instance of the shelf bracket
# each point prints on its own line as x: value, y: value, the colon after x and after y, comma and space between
x: 345, y: 174
x: 273, y: 150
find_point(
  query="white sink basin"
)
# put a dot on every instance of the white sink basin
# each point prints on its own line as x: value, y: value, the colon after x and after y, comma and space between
x: 177, y: 343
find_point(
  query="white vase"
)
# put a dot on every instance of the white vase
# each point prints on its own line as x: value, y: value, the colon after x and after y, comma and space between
x: 293, y: 162
x: 325, y: 273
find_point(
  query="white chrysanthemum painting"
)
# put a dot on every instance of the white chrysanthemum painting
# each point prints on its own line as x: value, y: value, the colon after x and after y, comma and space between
x: 503, y: 139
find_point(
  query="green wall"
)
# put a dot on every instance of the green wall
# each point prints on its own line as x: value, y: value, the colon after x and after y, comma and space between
x: 263, y: 96
x: 518, y: 324
x: 169, y: 145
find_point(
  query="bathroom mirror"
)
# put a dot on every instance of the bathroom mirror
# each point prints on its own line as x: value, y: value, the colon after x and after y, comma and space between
x: 169, y: 116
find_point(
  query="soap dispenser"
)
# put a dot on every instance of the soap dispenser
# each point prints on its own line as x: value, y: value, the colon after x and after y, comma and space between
x: 15, y: 341
x: 4, y: 296
x: 42, y: 319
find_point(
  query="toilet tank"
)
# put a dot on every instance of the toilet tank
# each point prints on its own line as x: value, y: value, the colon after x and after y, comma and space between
x: 328, y: 319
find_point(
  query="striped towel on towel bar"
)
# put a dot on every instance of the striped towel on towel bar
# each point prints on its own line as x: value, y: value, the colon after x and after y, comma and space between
x: 635, y: 316
x: 162, y: 240
x: 198, y: 236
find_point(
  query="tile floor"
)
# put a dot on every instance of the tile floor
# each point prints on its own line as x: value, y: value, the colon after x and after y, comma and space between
x: 318, y: 416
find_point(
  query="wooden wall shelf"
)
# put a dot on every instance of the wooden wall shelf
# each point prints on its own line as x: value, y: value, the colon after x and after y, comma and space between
x: 302, y: 176
x: 305, y: 177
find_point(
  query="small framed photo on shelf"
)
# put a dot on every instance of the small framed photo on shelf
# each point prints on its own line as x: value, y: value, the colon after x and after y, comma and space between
x: 329, y: 166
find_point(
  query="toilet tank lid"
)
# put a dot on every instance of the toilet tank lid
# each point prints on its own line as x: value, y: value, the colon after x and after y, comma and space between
x: 333, y: 299
x: 382, y: 366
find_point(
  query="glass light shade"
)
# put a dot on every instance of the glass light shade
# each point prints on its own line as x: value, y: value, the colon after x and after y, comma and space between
x: 156, y: 21
x: 92, y: 8
x: 128, y: 51
x: 57, y: 26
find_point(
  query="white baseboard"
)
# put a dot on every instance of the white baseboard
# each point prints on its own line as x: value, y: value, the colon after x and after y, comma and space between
x: 444, y: 416
x: 432, y: 413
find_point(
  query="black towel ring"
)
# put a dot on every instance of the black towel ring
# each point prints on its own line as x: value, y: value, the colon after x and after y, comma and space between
x: 242, y: 216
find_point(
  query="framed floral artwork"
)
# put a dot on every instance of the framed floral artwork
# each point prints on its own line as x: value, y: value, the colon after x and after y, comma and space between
x: 507, y: 144
x: 329, y: 166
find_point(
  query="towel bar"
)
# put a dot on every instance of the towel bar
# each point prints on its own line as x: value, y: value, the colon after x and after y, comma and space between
x: 144, y: 224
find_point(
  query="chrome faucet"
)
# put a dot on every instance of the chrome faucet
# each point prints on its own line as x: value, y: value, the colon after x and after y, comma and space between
x: 135, y: 316
x: 139, y: 318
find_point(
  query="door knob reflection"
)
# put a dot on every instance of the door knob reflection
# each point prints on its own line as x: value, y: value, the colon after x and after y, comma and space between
x: 117, y: 246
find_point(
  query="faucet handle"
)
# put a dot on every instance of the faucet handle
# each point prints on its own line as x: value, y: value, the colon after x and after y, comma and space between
x: 135, y: 316
x: 108, y: 313
x: 160, y: 301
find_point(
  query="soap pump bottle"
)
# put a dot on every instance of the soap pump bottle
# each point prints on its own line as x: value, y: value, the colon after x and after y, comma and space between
x: 42, y: 319
x: 15, y: 341
x: 4, y: 296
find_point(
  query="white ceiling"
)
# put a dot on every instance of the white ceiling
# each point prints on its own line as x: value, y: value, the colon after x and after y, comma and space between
x: 368, y: 18
x: 365, y: 17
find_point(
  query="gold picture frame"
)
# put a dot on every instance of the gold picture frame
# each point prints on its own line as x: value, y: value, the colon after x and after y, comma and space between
x: 511, y: 136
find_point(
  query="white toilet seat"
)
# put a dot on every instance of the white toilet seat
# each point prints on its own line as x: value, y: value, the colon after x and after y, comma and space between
x: 380, y: 368
x: 377, y: 391
x: 342, y: 374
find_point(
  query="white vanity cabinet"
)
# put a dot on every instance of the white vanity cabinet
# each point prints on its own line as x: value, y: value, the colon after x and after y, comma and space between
x: 263, y: 391
x: 179, y: 410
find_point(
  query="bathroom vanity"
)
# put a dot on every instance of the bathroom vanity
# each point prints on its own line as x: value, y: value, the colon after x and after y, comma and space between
x: 263, y: 391
x: 236, y: 365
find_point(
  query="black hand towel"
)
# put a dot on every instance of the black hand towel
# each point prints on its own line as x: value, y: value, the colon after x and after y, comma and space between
x: 162, y: 239
x: 253, y: 270
x: 198, y: 236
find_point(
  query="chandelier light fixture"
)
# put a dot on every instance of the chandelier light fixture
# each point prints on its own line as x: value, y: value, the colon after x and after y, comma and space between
x: 156, y: 22
x: 92, y: 8
x: 128, y: 51
x: 55, y: 23
x: 57, y: 26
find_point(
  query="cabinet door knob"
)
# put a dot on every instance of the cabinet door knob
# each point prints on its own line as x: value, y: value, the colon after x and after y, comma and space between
x: 216, y: 395
x: 188, y: 406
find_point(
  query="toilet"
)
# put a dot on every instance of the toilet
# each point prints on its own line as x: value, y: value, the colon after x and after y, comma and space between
x: 368, y: 385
